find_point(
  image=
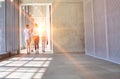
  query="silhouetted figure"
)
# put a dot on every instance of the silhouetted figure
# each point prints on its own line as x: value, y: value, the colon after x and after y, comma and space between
x: 36, y: 37
x: 27, y: 34
x: 44, y: 37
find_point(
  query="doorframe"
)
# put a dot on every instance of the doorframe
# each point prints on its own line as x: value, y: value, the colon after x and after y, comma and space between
x: 51, y: 22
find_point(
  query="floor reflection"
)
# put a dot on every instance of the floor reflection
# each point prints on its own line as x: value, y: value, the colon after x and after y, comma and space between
x: 24, y: 67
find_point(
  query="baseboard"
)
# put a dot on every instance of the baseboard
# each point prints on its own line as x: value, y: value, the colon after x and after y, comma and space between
x: 8, y: 55
x: 3, y: 56
x: 69, y: 52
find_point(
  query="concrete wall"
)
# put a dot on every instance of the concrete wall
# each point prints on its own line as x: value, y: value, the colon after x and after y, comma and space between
x: 67, y: 24
x: 68, y: 27
x: 102, y: 29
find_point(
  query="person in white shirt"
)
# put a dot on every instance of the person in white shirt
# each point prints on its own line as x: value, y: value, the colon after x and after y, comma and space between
x: 36, y: 37
x: 27, y: 34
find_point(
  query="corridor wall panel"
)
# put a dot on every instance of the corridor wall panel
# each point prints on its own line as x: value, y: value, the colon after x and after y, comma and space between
x: 99, y: 28
x: 2, y: 27
x: 106, y: 19
x: 15, y: 14
x: 12, y: 26
x: 17, y: 25
x: 9, y: 26
x: 89, y: 28
x: 113, y: 19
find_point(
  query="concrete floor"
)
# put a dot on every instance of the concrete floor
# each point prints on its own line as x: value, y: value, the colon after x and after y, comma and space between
x: 57, y: 66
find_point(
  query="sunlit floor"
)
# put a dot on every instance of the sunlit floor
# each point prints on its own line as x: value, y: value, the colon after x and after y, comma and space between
x: 57, y: 66
x: 24, y: 67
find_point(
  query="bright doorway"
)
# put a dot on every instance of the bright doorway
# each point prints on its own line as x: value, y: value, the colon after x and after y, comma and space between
x: 36, y: 13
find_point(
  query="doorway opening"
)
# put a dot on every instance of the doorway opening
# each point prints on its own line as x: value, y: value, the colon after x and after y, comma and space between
x: 36, y: 14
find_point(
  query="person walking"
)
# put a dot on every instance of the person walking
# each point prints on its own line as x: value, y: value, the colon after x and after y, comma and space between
x: 36, y: 37
x: 27, y: 34
x: 44, y: 38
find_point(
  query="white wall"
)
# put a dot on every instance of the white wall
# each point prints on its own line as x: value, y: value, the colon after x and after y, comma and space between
x: 102, y: 29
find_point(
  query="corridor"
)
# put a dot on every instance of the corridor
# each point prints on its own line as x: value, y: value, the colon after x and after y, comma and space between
x: 82, y: 39
x: 57, y: 66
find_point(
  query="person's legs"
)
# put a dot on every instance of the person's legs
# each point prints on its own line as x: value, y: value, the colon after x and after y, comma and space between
x: 31, y: 44
x: 43, y: 44
x: 36, y: 42
x: 28, y: 46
